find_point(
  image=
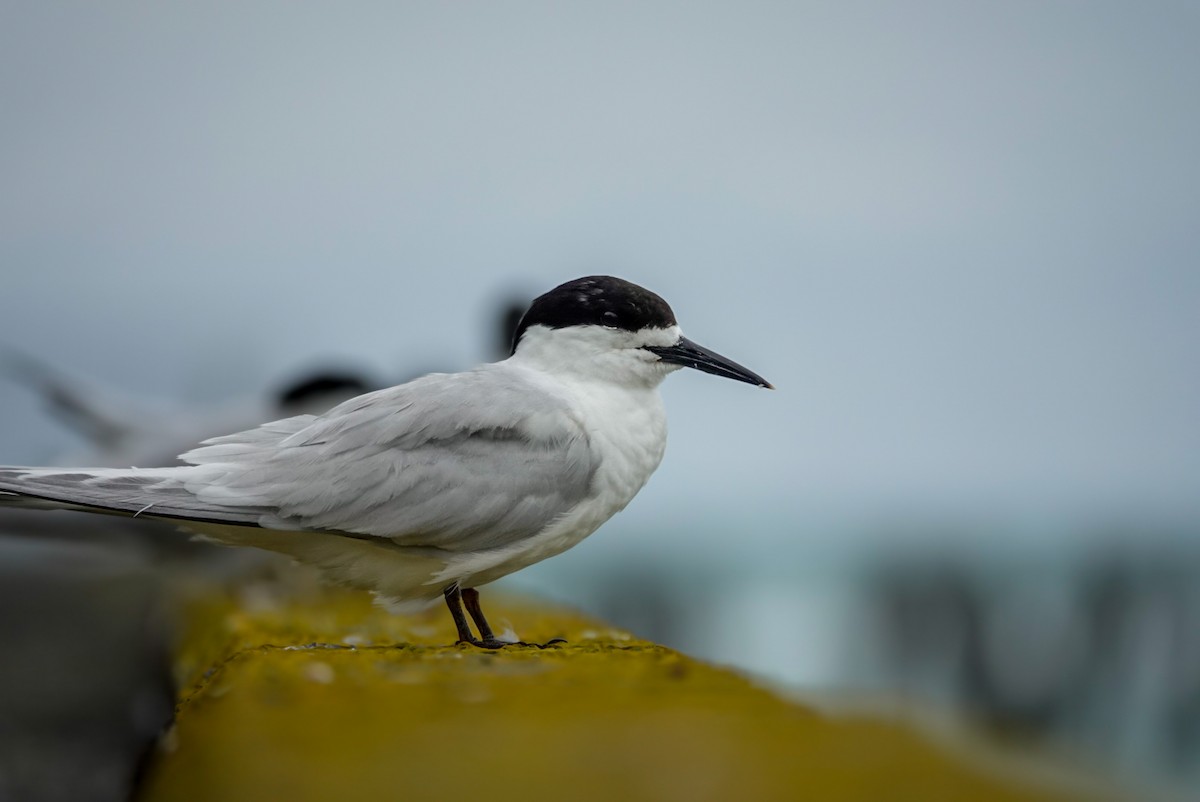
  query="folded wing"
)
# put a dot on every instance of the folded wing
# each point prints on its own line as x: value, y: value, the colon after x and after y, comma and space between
x: 459, y: 462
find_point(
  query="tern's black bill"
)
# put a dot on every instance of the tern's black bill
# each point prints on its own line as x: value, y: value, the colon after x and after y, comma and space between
x: 687, y: 353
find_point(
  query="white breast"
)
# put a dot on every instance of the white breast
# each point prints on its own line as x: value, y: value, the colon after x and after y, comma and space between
x: 627, y: 430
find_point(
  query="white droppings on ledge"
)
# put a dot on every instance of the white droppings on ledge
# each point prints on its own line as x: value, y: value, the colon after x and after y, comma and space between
x: 319, y: 672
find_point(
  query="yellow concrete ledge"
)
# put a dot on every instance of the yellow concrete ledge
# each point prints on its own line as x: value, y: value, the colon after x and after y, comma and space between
x: 325, y: 697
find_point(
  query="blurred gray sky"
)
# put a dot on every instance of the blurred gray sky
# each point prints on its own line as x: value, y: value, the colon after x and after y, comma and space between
x: 962, y: 239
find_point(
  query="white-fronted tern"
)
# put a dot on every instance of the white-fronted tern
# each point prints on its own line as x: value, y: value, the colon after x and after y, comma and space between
x: 433, y: 488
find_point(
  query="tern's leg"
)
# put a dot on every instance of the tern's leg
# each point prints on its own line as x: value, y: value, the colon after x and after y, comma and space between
x: 454, y: 602
x: 470, y: 597
x: 455, y: 598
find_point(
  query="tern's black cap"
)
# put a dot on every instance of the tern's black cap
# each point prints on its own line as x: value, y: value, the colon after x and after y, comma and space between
x: 597, y: 301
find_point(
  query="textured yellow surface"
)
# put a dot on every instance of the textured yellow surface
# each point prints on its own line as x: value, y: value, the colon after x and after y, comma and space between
x: 326, y: 697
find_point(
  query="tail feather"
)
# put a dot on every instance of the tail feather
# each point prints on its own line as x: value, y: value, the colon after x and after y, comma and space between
x: 153, y: 492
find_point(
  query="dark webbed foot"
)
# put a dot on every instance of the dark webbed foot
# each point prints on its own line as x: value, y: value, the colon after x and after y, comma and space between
x: 456, y: 598
x: 493, y: 643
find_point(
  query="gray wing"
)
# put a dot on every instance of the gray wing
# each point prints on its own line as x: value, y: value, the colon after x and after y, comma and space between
x: 155, y: 492
x: 460, y: 462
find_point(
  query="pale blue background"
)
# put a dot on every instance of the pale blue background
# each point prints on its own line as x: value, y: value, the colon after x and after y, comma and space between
x: 962, y: 240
